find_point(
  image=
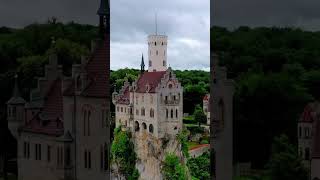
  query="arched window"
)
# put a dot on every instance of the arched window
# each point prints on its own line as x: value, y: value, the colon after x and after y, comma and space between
x: 167, y: 113
x: 151, y: 113
x: 171, y: 113
x: 157, y: 52
x: 150, y: 63
x: 142, y: 98
x: 162, y: 43
x: 136, y: 126
x: 151, y: 128
x: 155, y: 43
x: 221, y: 113
x: 144, y: 126
x: 143, y: 112
x: 176, y: 113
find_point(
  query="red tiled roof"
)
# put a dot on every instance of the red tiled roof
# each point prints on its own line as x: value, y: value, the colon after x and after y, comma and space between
x: 206, y: 97
x: 125, y: 98
x: 150, y: 78
x: 98, y: 71
x: 307, y: 114
x: 49, y: 120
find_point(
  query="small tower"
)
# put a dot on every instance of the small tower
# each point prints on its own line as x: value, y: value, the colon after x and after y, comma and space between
x: 15, y: 110
x: 142, y: 64
x: 157, y: 50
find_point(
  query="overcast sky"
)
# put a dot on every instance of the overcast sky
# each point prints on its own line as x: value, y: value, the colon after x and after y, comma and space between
x: 185, y: 22
x: 291, y: 13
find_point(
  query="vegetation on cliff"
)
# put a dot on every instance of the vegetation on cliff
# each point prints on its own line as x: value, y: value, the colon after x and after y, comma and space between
x: 173, y: 168
x: 123, y: 155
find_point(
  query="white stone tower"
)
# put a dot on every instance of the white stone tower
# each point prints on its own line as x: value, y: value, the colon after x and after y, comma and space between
x: 157, y: 51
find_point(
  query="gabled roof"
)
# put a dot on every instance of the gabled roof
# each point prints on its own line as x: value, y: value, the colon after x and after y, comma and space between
x: 98, y: 71
x: 50, y: 119
x: 125, y: 97
x: 149, y: 78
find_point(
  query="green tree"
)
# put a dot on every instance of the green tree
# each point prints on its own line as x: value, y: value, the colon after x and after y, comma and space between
x: 173, y: 169
x: 183, y: 139
x: 199, y: 115
x: 285, y: 162
x: 123, y: 155
x: 200, y: 166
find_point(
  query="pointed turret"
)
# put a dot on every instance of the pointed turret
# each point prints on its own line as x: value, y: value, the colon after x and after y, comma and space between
x: 16, y: 97
x: 104, y: 15
x: 142, y: 65
x: 15, y: 110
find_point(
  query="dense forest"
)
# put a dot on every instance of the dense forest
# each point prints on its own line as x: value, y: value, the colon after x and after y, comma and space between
x: 277, y: 72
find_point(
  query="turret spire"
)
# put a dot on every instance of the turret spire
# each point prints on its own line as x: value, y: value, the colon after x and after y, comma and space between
x: 16, y: 92
x: 104, y: 15
x: 142, y: 64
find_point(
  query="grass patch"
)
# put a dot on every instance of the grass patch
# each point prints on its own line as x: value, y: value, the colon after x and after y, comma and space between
x: 192, y: 144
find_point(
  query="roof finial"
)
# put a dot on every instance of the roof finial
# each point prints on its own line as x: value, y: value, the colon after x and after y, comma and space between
x: 156, y: 21
x: 16, y: 92
x: 142, y: 64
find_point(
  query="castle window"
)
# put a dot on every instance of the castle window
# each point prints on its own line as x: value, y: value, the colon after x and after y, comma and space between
x: 26, y: 150
x: 307, y: 154
x: 307, y: 132
x: 166, y: 98
x: 68, y: 156
x: 300, y: 131
x: 164, y: 63
x: 176, y: 113
x: 121, y: 109
x: 136, y: 126
x: 162, y: 43
x: 150, y: 63
x: 144, y: 126
x: 151, y: 113
x: 157, y: 52
x: 89, y: 117
x: 89, y: 160
x: 118, y: 108
x: 85, y: 159
x: 49, y: 153
x: 84, y: 122
x: 155, y: 43
x: 151, y: 128
x: 167, y: 113
x: 142, y: 98
x: 79, y: 83
x: 143, y: 112
x: 38, y: 151
x: 171, y: 113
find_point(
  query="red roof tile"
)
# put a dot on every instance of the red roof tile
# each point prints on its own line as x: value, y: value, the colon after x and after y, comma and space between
x: 149, y: 78
x: 49, y: 121
x: 307, y: 114
x: 98, y: 71
x: 125, y: 97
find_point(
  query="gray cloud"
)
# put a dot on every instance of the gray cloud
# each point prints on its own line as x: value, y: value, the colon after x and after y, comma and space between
x: 290, y: 13
x: 186, y: 22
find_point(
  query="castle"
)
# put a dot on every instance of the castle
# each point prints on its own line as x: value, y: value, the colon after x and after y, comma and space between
x: 206, y: 107
x: 152, y: 109
x: 63, y: 131
x: 309, y: 138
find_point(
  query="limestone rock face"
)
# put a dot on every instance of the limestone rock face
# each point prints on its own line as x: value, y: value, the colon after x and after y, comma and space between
x: 151, y: 153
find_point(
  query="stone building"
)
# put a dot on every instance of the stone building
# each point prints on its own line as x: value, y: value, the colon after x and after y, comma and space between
x: 152, y: 109
x: 206, y: 107
x: 63, y: 132
x: 221, y: 125
x: 309, y: 138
